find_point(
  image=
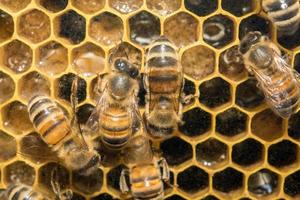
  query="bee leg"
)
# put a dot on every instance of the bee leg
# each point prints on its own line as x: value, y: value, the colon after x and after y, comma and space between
x: 186, y: 99
x: 98, y: 89
x: 165, y: 169
x: 250, y: 71
x: 54, y: 183
x: 123, y: 183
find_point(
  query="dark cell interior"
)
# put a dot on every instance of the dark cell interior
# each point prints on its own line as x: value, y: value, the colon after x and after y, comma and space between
x: 231, y: 122
x: 239, y: 9
x: 211, y: 30
x: 178, y: 155
x: 290, y: 41
x: 19, y: 171
x: 195, y: 122
x: 142, y: 93
x: 282, y: 154
x: 47, y: 171
x: 294, y: 126
x: 144, y: 28
x: 292, y: 184
x: 189, y: 89
x: 228, y: 180
x: 77, y: 197
x: 65, y: 85
x: 54, y: 5
x: 192, y: 179
x: 113, y: 177
x: 248, y: 95
x: 262, y: 183
x: 210, y: 197
x: 214, y: 92
x: 247, y: 152
x: 211, y: 152
x: 88, y: 184
x: 6, y: 26
x: 104, y: 196
x: 175, y: 197
x: 84, y: 112
x: 201, y: 7
x: 72, y: 27
x: 255, y: 23
x: 297, y: 62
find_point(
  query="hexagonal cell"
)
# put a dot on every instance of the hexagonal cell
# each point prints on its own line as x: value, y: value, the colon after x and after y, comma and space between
x: 163, y: 7
x: 15, y: 117
x: 248, y: 95
x: 144, y: 28
x: 231, y: 64
x: 34, y: 148
x: 210, y: 197
x: 33, y: 84
x: 6, y: 26
x: 17, y: 56
x: 267, y: 125
x: 125, y: 6
x: 214, y: 92
x: 104, y: 196
x: 106, y: 28
x: 89, y: 6
x: 15, y: 5
x: 20, y: 171
x: 34, y: 26
x: 84, y: 112
x: 88, y: 59
x: 196, y: 122
x: 181, y: 29
x: 289, y: 41
x: 53, y: 5
x: 231, y: 122
x: 218, y: 31
x: 178, y: 155
x: 45, y: 172
x: 192, y: 179
x: 71, y: 26
x: 52, y: 58
x: 247, y: 153
x: 294, y: 126
x: 239, y: 9
x: 198, y: 62
x: 211, y: 152
x: 283, y: 153
x: 292, y: 184
x: 255, y: 23
x: 201, y: 7
x: 228, y: 180
x: 175, y: 197
x: 64, y: 84
x: 7, y: 87
x: 88, y: 184
x: 10, y: 144
x: 113, y: 177
x: 127, y: 51
x: 263, y: 182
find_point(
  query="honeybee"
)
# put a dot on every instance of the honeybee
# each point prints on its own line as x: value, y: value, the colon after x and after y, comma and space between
x: 278, y: 80
x: 163, y: 82
x: 146, y: 173
x: 116, y: 116
x: 285, y: 14
x: 20, y: 191
x: 65, y: 137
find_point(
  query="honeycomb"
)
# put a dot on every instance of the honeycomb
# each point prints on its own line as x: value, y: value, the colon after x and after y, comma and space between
x: 229, y: 138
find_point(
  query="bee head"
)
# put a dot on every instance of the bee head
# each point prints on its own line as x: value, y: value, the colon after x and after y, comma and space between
x: 119, y: 86
x: 248, y: 41
x: 123, y: 65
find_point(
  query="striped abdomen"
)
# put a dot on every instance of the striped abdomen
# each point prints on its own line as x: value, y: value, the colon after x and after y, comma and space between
x: 146, y: 182
x: 285, y: 14
x: 23, y: 192
x: 283, y: 93
x: 48, y: 119
x: 116, y: 126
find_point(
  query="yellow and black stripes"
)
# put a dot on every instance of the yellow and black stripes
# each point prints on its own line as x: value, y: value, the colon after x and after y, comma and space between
x: 22, y: 192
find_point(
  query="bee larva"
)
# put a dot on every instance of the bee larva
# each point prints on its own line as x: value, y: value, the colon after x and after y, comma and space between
x: 146, y: 173
x: 278, y: 80
x: 63, y: 136
x: 285, y: 14
x: 163, y: 82
x: 116, y: 116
